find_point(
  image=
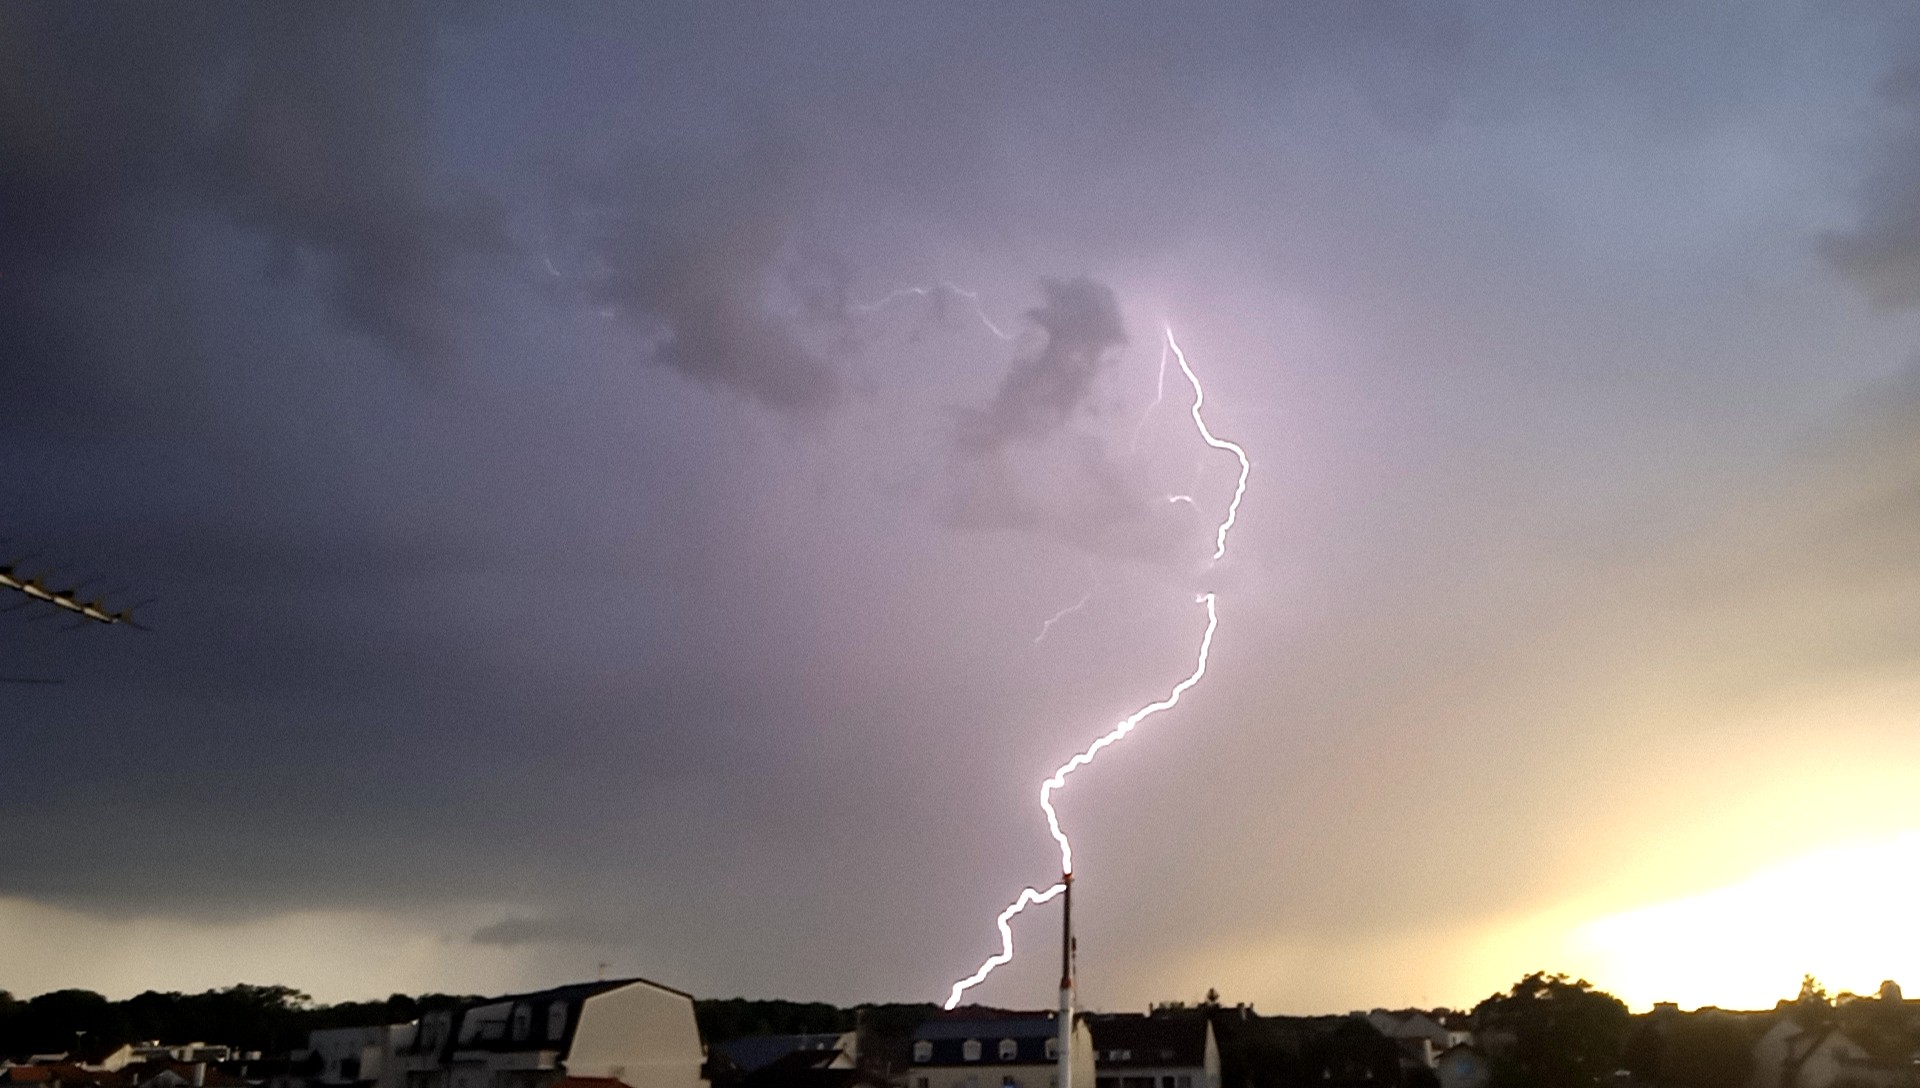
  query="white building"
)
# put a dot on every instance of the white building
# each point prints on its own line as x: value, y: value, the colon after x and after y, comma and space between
x: 1422, y: 1038
x: 1010, y: 1052
x: 359, y: 1055
x: 1792, y: 1056
x: 627, y: 1032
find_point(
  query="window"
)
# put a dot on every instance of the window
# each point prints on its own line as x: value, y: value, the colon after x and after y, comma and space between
x: 1009, y: 1082
x: 556, y: 1019
x: 1009, y: 1050
x: 923, y: 1053
x: 1053, y: 1049
x: 522, y: 1022
x: 919, y: 1082
x: 970, y: 1050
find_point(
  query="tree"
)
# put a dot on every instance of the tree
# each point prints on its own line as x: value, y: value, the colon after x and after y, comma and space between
x: 1707, y: 1050
x: 1552, y: 1032
x: 1812, y: 1006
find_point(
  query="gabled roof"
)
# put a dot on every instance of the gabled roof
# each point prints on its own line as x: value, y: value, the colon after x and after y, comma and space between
x: 754, y: 1051
x: 946, y: 1040
x: 579, y: 991
x: 811, y: 1069
x: 572, y: 996
x: 61, y: 1072
x: 212, y: 1076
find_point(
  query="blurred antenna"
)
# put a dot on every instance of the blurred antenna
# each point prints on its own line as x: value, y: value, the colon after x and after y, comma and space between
x: 35, y: 590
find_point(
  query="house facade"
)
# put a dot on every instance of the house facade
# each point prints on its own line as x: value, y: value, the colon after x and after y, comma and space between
x: 629, y: 1032
x: 1131, y: 1051
x: 1422, y: 1038
x: 1008, y: 1052
x: 1791, y: 1055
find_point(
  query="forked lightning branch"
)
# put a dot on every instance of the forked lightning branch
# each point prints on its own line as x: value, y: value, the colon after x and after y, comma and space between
x: 1064, y: 888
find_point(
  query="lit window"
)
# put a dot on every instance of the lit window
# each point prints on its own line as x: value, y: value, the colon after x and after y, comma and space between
x: 1009, y: 1050
x: 923, y: 1052
x: 970, y: 1050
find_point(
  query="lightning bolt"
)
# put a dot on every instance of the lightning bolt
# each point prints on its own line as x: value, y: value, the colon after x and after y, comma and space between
x: 1061, y: 615
x: 1030, y: 896
x: 972, y: 297
x: 1240, y: 489
x: 1086, y: 598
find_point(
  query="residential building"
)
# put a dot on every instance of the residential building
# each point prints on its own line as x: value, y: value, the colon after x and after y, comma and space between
x: 1421, y: 1036
x: 1132, y: 1051
x: 754, y: 1052
x: 358, y: 1056
x: 172, y: 1074
x: 1792, y: 1055
x: 57, y: 1074
x: 1014, y: 1051
x: 624, y: 1032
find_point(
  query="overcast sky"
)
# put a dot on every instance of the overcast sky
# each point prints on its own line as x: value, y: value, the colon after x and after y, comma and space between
x: 602, y: 474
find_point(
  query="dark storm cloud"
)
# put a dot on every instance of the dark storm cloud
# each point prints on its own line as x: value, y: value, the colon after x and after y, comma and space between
x: 326, y: 147
x: 309, y: 128
x: 579, y: 644
x: 1882, y: 254
x: 520, y: 930
x: 1085, y: 496
x: 1044, y: 391
x: 698, y: 244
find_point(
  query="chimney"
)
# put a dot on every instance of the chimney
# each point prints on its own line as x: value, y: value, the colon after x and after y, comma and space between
x: 199, y: 1074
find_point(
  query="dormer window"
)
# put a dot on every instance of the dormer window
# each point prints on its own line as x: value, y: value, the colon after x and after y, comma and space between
x: 556, y: 1019
x: 1009, y: 1050
x: 923, y: 1051
x: 1053, y: 1049
x: 522, y: 1022
x: 970, y: 1050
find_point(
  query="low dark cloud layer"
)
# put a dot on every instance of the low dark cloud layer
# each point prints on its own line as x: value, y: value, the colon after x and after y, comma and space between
x: 559, y: 559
